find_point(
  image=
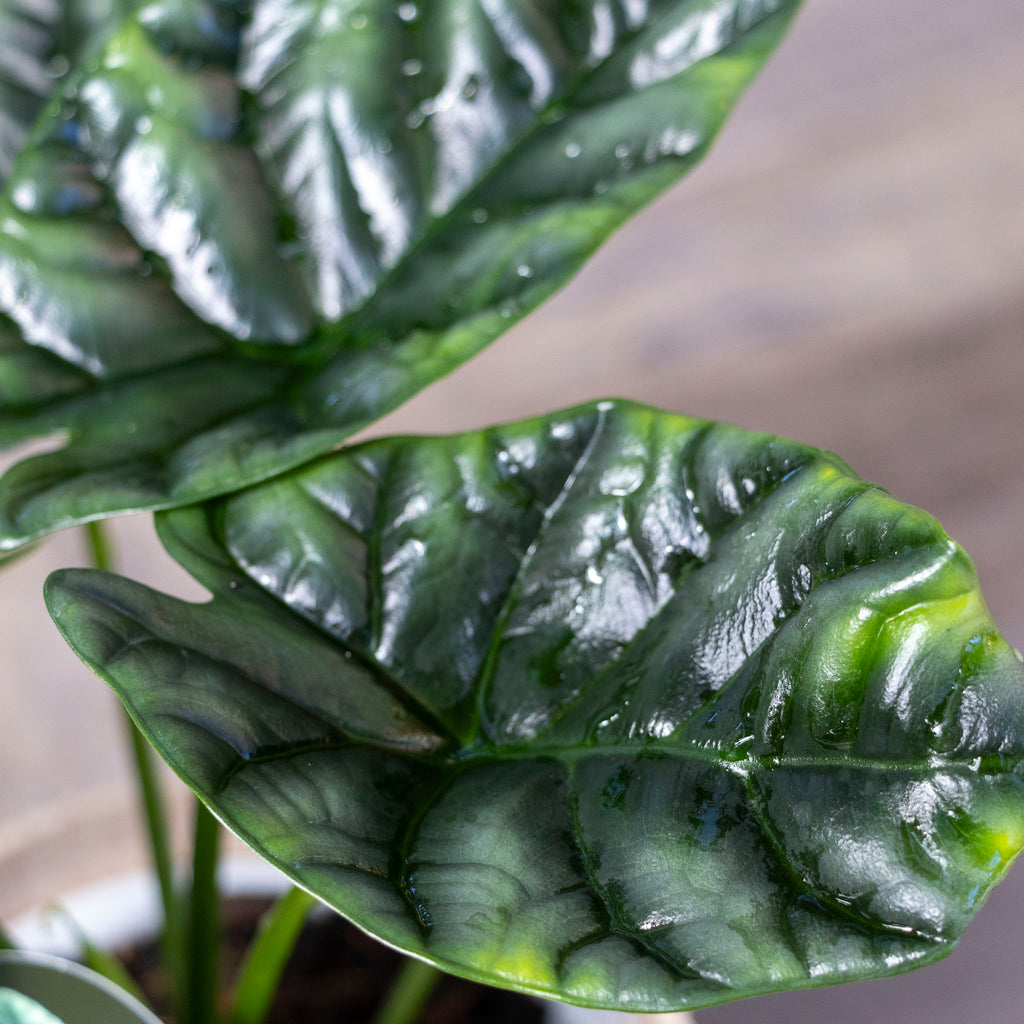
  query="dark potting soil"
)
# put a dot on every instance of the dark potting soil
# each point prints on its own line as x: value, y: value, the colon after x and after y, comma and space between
x: 337, y: 975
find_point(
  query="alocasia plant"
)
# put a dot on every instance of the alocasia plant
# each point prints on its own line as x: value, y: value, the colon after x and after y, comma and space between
x: 613, y: 706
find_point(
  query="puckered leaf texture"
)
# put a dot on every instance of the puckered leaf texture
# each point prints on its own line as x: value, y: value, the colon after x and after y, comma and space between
x: 614, y: 706
x: 242, y: 231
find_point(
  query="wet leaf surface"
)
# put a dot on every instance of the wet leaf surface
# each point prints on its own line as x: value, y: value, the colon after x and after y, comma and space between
x: 615, y: 706
x: 240, y: 234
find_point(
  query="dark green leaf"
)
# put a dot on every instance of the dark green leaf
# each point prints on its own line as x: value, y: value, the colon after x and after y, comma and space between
x: 239, y: 238
x: 615, y: 706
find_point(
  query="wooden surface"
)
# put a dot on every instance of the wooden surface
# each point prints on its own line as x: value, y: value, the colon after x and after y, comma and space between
x: 846, y: 268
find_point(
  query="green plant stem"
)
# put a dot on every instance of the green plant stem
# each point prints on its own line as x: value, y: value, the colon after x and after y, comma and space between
x: 157, y: 829
x: 101, y: 555
x: 409, y: 993
x: 101, y: 552
x: 268, y: 955
x: 202, y: 951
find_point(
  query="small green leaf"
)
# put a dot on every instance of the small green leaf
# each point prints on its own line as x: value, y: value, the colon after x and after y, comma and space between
x: 623, y: 708
x: 247, y: 230
x: 18, y: 1009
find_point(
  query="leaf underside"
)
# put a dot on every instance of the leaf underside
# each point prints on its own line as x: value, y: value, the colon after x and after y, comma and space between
x: 244, y: 231
x: 618, y: 707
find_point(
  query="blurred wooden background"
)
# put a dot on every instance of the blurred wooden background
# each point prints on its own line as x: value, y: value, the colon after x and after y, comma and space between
x: 846, y: 268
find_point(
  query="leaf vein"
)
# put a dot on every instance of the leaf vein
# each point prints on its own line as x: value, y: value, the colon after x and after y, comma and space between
x: 489, y: 664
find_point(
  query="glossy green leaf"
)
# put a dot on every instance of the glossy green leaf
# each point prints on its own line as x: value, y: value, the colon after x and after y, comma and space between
x: 249, y: 230
x: 615, y: 706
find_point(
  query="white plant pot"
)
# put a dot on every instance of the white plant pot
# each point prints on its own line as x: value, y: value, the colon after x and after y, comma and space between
x: 68, y: 990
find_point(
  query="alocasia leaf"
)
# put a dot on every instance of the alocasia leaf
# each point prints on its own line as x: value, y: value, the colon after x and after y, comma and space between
x: 247, y: 230
x: 614, y: 706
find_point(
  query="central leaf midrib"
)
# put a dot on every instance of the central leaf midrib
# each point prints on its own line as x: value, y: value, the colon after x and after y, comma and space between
x: 654, y: 750
x: 736, y: 766
x: 715, y: 538
x: 489, y: 664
